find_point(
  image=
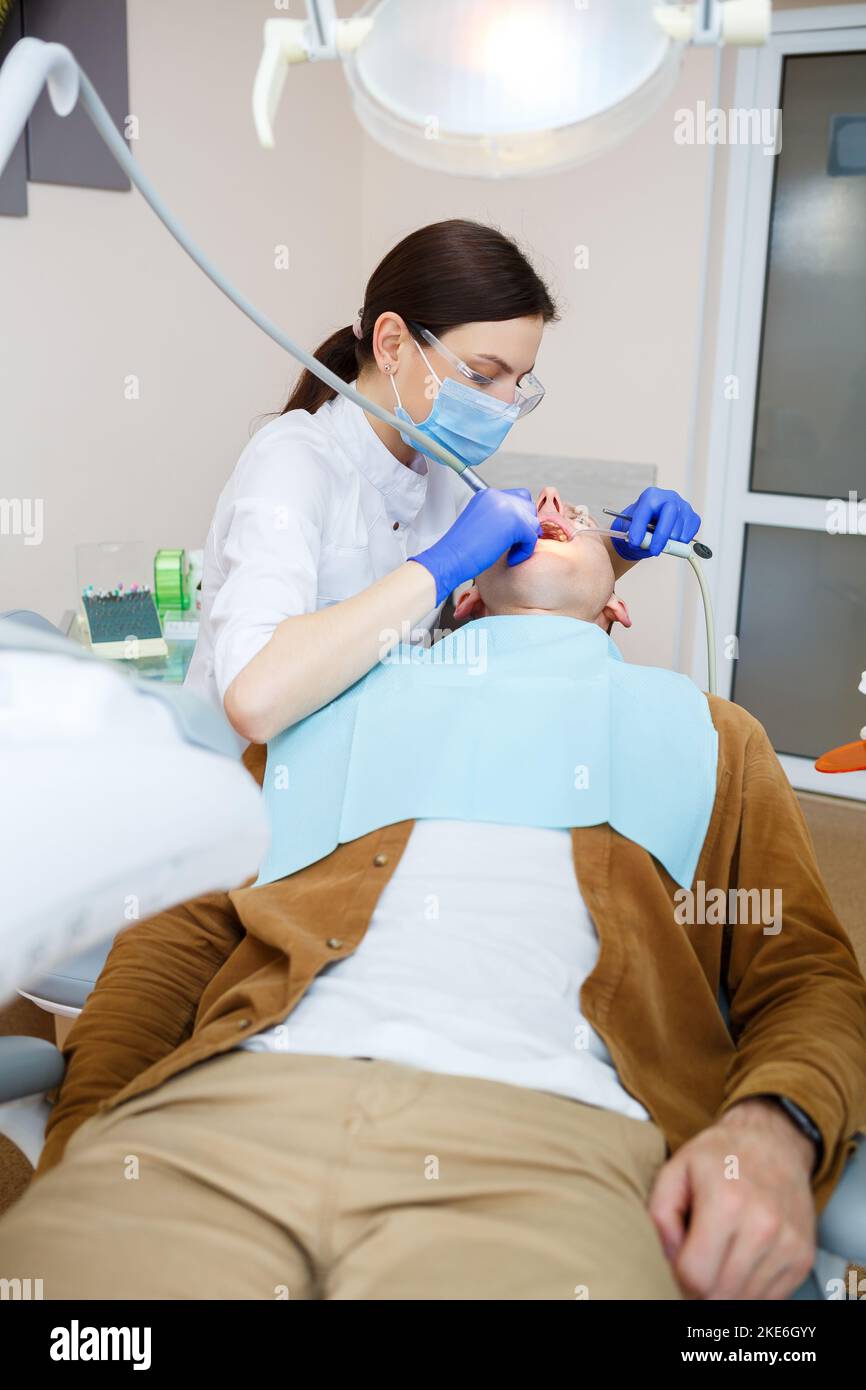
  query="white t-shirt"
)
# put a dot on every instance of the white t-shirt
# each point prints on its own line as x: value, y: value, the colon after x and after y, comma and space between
x: 316, y: 510
x: 472, y: 964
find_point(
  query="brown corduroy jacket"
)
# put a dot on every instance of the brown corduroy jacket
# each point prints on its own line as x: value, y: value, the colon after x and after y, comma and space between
x: 194, y: 981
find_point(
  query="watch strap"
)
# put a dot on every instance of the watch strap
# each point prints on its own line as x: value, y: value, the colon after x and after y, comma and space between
x: 805, y: 1123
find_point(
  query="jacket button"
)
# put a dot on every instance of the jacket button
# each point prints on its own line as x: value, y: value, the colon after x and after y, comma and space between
x: 380, y: 859
x: 335, y: 942
x: 396, y: 526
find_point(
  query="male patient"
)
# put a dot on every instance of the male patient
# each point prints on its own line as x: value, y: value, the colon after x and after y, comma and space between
x: 465, y: 1060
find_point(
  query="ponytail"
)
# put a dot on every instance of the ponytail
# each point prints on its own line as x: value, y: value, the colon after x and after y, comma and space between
x: 339, y: 353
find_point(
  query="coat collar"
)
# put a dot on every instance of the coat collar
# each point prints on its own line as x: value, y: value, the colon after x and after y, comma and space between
x: 403, y: 487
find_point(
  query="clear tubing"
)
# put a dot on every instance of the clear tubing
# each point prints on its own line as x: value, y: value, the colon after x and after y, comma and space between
x: 708, y: 619
x: 683, y: 551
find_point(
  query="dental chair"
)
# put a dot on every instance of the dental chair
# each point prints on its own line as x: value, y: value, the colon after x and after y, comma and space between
x: 31, y: 1066
x: 121, y: 797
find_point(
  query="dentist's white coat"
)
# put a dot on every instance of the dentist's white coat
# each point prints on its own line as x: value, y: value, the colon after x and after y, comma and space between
x: 316, y: 510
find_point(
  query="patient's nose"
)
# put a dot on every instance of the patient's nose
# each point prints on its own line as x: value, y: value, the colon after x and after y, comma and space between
x: 549, y: 499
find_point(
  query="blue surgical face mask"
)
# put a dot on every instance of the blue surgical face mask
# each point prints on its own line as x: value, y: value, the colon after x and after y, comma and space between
x: 463, y: 420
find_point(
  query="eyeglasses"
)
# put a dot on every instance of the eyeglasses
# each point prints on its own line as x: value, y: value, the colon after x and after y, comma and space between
x: 528, y: 391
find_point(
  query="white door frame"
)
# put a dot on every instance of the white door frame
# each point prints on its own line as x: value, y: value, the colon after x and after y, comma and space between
x: 729, y: 505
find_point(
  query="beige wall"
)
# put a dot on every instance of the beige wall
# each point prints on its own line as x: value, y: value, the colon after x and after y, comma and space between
x: 93, y: 290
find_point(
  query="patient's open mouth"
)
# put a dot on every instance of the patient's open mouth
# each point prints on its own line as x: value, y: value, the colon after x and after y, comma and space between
x: 553, y: 531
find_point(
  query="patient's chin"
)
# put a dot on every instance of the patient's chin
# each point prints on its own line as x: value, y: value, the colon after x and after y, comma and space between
x: 540, y: 582
x: 553, y: 562
x: 556, y: 577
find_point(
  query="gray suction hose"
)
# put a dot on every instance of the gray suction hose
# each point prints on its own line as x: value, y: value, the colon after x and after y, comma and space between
x: 114, y: 140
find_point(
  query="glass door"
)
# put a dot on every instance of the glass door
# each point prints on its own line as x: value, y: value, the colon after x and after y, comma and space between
x: 788, y: 456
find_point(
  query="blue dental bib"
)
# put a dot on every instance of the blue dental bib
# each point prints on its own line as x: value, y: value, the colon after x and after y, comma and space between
x: 532, y: 720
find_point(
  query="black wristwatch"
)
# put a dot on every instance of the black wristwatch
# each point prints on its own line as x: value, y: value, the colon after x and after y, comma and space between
x: 805, y: 1123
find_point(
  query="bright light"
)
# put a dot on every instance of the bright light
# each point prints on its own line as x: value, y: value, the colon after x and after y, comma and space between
x: 500, y: 87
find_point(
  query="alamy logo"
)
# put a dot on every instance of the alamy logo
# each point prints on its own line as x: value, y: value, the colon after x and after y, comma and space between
x: 23, y: 516
x: 22, y: 1289
x: 77, y: 1343
x: 714, y: 907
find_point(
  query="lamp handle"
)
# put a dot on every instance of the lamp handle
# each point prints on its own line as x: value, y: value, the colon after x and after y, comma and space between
x: 287, y: 41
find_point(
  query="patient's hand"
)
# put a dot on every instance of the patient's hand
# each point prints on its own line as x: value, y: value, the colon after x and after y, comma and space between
x: 734, y: 1206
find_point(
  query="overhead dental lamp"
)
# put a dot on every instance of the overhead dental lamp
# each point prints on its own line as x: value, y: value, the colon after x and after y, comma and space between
x: 501, y: 88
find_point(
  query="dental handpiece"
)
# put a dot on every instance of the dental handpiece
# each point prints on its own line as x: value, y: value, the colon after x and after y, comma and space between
x: 683, y: 549
x: 472, y: 480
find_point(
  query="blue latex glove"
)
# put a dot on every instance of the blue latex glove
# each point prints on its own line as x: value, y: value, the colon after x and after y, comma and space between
x: 673, y: 517
x: 496, y: 520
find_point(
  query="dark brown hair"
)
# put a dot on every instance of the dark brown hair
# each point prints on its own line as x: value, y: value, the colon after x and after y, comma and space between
x: 441, y: 276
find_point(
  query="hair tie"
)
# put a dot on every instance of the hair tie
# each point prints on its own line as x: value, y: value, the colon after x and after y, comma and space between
x: 356, y: 326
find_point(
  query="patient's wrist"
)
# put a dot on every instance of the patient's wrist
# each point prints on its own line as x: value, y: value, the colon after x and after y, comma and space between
x: 764, y: 1113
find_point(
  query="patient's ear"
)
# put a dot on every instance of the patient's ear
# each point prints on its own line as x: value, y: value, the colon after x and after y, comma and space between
x: 469, y: 605
x: 615, y: 611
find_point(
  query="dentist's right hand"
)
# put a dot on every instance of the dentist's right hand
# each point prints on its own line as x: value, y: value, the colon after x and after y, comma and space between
x: 496, y: 520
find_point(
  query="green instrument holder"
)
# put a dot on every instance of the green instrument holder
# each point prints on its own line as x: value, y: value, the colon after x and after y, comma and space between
x: 170, y: 581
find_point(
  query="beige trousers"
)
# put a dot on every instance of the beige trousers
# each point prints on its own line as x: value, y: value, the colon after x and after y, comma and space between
x: 274, y: 1175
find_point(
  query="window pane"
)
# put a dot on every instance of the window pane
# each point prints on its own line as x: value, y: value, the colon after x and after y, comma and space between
x: 810, y: 422
x: 802, y: 637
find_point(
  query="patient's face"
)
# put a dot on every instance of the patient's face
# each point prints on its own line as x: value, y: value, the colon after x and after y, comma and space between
x: 570, y: 571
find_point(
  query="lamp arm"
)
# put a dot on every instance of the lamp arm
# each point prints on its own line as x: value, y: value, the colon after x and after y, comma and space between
x: 290, y: 41
x: 741, y: 22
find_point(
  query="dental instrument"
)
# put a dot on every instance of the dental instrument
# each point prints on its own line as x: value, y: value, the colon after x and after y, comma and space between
x: 679, y: 548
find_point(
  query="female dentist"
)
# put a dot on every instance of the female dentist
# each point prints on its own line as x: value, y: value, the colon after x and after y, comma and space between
x: 334, y: 530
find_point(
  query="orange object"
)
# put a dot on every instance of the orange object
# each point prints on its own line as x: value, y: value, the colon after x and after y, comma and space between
x: 851, y: 757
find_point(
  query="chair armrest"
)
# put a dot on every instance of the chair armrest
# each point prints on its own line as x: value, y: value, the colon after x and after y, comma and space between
x: 28, y: 1066
x: 842, y: 1223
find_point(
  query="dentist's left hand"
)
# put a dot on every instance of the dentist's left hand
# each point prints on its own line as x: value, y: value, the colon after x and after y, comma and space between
x: 670, y: 514
x: 496, y: 520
